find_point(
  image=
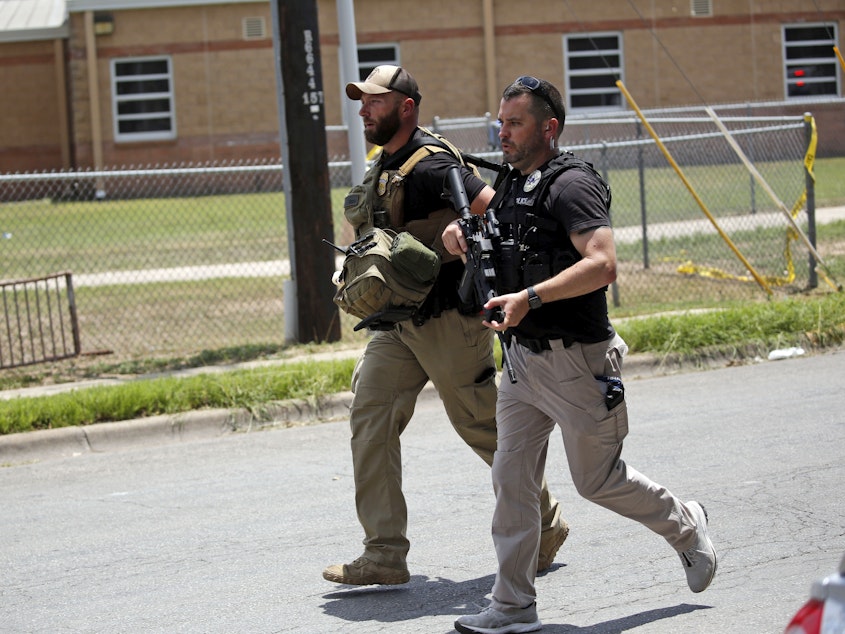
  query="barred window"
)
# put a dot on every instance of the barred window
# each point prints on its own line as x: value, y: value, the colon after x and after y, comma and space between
x: 701, y: 8
x: 810, y: 64
x: 592, y: 64
x: 372, y: 55
x: 142, y: 99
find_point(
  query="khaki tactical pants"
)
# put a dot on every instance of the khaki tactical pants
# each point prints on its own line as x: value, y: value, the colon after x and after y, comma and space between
x: 456, y: 353
x: 559, y: 388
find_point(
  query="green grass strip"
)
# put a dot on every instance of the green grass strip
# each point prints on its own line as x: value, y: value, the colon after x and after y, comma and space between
x: 817, y: 321
x: 149, y: 397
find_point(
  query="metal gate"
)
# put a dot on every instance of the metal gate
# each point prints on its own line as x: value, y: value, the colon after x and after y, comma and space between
x: 39, y: 320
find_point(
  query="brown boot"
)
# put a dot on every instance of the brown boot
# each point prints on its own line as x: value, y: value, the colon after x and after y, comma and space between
x: 551, y: 540
x: 365, y: 572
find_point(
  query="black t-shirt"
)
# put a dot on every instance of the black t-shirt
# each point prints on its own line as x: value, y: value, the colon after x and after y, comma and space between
x: 576, y: 201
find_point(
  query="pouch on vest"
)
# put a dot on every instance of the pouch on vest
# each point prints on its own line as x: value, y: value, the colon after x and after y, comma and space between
x: 356, y: 206
x: 358, y: 203
x: 385, y: 277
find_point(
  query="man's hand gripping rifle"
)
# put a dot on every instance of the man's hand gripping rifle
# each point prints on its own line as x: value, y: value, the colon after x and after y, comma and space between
x: 479, y: 280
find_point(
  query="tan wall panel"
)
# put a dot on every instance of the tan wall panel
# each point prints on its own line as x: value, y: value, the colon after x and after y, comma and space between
x: 223, y: 103
x: 225, y: 88
x: 31, y: 116
x: 20, y: 53
x: 537, y: 55
x: 29, y: 107
x: 449, y: 89
x: 381, y: 17
x: 183, y: 25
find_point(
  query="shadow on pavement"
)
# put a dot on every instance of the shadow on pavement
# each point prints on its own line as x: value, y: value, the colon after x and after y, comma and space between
x: 424, y: 596
x: 617, y: 626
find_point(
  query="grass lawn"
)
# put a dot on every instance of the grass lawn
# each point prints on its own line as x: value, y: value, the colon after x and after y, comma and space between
x: 736, y: 332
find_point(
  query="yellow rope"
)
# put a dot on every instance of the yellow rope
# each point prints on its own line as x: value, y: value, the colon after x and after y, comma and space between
x: 690, y: 188
x: 689, y: 268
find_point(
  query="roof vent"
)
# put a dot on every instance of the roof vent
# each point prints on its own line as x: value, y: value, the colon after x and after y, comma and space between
x: 254, y: 28
x: 701, y: 8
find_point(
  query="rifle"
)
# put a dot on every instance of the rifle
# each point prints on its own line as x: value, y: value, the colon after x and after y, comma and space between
x: 479, y: 280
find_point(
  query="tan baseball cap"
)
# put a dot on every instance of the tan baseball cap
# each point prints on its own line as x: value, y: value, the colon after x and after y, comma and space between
x: 383, y: 79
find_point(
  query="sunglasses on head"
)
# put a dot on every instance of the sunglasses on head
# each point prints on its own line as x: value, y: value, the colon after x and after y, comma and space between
x: 534, y: 85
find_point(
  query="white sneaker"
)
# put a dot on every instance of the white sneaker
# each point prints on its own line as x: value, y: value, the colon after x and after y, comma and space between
x: 700, y: 560
x: 490, y: 621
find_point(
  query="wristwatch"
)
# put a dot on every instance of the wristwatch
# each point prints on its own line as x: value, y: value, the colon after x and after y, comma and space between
x: 534, y: 300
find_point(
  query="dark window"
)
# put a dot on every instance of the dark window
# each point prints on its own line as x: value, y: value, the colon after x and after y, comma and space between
x: 810, y: 64
x: 371, y: 56
x: 142, y: 98
x: 593, y: 64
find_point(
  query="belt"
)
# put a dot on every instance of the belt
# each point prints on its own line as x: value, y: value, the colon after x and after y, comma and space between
x: 539, y: 345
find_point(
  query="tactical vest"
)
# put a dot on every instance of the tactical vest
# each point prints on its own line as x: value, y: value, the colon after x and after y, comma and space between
x: 380, y: 199
x: 392, y: 266
x: 531, y: 249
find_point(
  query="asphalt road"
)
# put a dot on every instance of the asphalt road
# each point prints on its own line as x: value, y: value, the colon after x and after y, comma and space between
x: 231, y: 533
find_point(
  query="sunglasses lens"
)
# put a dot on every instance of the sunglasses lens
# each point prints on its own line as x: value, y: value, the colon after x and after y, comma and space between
x: 532, y: 83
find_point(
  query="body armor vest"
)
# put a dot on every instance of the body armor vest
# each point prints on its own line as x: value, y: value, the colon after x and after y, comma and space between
x: 535, y: 246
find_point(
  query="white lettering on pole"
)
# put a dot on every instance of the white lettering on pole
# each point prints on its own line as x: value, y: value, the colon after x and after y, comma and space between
x: 313, y: 97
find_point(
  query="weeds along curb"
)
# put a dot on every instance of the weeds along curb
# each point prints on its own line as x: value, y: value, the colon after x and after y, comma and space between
x: 34, y: 446
x: 214, y: 423
x: 168, y: 428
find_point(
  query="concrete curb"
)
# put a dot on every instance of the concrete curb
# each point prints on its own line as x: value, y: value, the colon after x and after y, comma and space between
x: 215, y: 423
x: 168, y: 428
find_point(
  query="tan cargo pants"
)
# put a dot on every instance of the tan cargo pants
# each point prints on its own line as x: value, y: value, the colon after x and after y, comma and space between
x: 455, y: 352
x: 559, y: 388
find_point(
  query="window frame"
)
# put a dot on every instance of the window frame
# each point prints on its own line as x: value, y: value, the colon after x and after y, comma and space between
x: 616, y: 72
x: 701, y: 8
x: 365, y: 68
x: 788, y: 62
x: 118, y: 99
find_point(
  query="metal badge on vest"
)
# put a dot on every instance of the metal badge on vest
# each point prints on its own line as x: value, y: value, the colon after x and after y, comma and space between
x: 530, y: 249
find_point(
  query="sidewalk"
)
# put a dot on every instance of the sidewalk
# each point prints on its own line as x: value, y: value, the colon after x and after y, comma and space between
x: 282, y: 267
x: 729, y: 224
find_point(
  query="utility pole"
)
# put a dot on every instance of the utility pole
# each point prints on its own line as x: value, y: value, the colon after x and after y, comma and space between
x: 349, y: 72
x: 302, y: 132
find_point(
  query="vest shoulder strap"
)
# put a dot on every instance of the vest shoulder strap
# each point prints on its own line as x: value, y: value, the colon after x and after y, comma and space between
x: 468, y: 160
x: 416, y: 157
x: 555, y: 168
x: 444, y: 142
x: 564, y: 162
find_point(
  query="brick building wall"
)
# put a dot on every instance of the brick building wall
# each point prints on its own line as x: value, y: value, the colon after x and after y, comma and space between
x: 225, y: 92
x: 30, y: 133
x: 224, y: 86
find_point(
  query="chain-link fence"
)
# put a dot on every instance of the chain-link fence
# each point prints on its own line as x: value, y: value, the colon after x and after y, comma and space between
x: 173, y: 261
x: 708, y: 230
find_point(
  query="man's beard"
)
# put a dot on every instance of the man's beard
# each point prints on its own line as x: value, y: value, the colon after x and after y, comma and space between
x: 384, y: 129
x: 524, y: 153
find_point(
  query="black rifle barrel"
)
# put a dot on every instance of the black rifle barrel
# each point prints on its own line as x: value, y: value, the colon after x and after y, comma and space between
x: 480, y: 273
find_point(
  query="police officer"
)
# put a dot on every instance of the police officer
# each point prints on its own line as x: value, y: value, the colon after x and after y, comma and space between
x: 559, y: 255
x: 443, y: 344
